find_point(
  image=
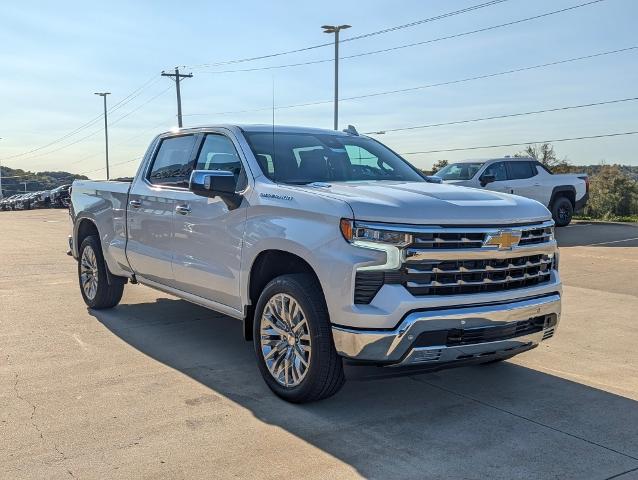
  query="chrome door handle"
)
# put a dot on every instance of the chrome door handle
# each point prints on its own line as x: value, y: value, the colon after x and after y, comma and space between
x: 135, y: 204
x: 183, y: 209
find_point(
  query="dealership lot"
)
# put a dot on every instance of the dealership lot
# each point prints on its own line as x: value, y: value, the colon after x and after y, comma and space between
x: 159, y: 388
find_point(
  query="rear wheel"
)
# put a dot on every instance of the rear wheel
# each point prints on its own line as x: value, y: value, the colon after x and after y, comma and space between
x: 293, y: 340
x: 94, y: 286
x: 562, y: 211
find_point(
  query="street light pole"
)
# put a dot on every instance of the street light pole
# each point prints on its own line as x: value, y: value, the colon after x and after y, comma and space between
x: 336, y: 29
x: 106, y: 131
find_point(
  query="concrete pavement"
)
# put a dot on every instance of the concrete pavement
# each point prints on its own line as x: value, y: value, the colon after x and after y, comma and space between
x: 159, y: 388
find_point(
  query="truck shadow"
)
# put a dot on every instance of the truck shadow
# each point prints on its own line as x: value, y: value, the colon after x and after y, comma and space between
x: 598, y: 234
x: 501, y: 421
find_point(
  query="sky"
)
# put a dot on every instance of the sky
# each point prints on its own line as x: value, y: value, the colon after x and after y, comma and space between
x: 57, y: 54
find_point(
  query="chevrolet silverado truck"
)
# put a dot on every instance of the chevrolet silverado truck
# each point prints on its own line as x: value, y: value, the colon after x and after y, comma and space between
x: 563, y: 194
x: 328, y: 246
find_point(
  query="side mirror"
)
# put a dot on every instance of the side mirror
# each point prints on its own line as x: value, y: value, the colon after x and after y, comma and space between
x: 433, y: 179
x: 485, y: 179
x: 215, y: 183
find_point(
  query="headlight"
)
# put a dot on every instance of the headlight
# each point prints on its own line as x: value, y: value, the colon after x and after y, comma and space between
x: 363, y: 233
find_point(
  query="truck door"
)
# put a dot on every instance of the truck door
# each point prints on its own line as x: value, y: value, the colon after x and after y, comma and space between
x: 500, y: 183
x: 207, y: 234
x: 152, y: 201
x: 524, y: 180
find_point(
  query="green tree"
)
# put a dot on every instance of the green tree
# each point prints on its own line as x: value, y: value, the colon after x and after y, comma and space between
x: 545, y: 154
x: 613, y: 193
x: 438, y: 165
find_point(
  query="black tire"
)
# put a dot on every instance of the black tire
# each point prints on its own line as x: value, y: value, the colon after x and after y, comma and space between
x: 324, y: 375
x: 562, y: 211
x: 106, y: 295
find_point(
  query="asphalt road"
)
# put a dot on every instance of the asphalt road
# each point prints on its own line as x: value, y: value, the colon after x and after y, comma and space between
x: 158, y: 388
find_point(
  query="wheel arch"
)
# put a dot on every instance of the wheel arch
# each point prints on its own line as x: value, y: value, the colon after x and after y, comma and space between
x: 267, y: 265
x: 85, y: 227
x: 567, y: 191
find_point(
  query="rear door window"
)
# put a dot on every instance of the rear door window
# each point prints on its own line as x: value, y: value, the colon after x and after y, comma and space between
x: 172, y: 164
x: 521, y: 170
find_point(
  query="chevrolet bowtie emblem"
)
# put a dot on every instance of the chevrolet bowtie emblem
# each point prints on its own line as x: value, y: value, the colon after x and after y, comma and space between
x: 504, y: 239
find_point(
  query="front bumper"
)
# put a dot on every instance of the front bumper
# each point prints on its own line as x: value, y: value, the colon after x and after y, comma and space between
x: 454, y: 334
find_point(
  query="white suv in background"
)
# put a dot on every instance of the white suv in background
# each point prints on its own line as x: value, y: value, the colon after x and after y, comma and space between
x: 561, y: 194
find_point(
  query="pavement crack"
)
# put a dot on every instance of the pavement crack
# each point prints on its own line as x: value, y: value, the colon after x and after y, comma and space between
x: 34, y: 424
x: 618, y: 475
x: 522, y: 417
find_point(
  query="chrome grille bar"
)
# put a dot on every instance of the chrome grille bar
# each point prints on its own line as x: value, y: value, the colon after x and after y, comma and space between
x: 488, y: 268
x: 485, y: 281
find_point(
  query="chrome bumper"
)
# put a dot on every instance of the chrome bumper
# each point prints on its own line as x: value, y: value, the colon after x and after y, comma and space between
x: 396, y: 347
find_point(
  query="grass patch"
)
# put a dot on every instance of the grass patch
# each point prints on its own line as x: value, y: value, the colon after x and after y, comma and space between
x: 611, y: 218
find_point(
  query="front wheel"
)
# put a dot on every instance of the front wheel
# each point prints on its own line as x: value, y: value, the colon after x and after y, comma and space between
x: 96, y: 290
x: 293, y: 340
x: 562, y: 211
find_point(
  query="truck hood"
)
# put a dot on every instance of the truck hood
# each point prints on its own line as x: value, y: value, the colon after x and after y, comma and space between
x: 429, y: 203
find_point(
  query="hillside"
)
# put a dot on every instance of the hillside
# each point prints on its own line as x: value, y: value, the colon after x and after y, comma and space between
x: 13, y: 180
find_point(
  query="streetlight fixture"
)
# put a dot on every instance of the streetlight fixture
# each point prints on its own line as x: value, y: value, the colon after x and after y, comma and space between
x: 336, y: 29
x: 106, y: 130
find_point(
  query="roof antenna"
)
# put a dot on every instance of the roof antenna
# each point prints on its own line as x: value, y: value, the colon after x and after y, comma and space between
x: 274, y: 169
x: 351, y: 130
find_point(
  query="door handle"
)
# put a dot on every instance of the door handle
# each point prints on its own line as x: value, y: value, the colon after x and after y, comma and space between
x: 183, y: 209
x: 135, y: 204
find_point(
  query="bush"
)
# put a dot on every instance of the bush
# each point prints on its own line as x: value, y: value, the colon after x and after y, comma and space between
x: 612, y: 194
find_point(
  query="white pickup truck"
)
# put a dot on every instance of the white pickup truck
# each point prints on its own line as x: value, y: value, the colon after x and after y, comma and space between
x: 562, y: 194
x: 328, y: 246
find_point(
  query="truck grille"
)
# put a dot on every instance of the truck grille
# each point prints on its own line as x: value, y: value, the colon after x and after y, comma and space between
x: 474, y: 276
x: 466, y: 260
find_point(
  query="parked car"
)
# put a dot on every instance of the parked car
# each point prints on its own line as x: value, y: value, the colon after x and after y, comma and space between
x: 41, y: 199
x: 562, y: 194
x: 328, y: 246
x: 8, y: 203
x: 60, y: 197
x: 24, y: 201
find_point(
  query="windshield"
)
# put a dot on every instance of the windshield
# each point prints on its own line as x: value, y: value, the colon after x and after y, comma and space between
x: 459, y: 171
x: 301, y: 158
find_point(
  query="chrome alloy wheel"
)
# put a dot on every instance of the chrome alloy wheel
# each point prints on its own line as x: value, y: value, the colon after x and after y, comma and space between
x: 285, y: 340
x: 88, y: 272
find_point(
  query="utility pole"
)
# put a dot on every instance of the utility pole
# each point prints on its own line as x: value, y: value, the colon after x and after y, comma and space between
x: 336, y: 29
x: 176, y: 78
x: 106, y: 131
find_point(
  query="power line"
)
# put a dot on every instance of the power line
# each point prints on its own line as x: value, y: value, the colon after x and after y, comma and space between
x: 431, y: 85
x: 409, y: 45
x: 555, y: 140
x: 509, y: 115
x: 358, y: 37
x: 88, y: 124
x: 113, y: 165
x: 95, y: 132
x: 426, y: 20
